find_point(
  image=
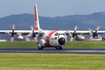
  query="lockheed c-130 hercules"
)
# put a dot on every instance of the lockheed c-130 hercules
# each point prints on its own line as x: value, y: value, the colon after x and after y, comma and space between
x: 50, y: 38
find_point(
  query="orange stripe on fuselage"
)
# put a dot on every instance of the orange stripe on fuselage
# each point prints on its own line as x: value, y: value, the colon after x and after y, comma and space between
x: 48, y: 37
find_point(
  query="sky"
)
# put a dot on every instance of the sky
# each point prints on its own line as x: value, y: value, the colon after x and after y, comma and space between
x: 51, y: 8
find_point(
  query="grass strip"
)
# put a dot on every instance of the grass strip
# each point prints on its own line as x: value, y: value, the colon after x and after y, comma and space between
x: 31, y: 61
x: 72, y: 45
x: 18, y: 44
x: 86, y: 45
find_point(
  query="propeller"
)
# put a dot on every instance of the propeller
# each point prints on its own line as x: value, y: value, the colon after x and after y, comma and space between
x: 33, y: 34
x: 72, y: 35
x: 12, y: 33
x: 93, y: 34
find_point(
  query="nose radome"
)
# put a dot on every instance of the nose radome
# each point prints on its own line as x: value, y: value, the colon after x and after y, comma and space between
x: 61, y: 41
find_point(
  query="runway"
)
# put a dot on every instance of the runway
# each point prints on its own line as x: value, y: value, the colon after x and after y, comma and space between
x: 64, y: 51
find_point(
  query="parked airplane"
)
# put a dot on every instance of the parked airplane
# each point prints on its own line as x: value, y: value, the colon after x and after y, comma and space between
x: 50, y: 38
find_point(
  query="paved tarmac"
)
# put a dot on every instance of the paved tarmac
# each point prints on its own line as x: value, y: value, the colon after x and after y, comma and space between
x: 64, y: 51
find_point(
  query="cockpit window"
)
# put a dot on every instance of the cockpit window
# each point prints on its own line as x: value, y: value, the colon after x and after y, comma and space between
x: 56, y: 34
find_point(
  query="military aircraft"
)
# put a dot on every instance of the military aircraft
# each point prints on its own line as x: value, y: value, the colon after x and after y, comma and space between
x: 50, y: 38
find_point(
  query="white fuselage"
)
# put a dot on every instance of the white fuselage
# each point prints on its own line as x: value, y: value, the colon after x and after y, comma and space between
x: 52, y: 39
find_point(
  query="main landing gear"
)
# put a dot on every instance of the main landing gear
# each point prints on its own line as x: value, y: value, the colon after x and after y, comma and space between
x: 58, y: 48
x: 41, y: 48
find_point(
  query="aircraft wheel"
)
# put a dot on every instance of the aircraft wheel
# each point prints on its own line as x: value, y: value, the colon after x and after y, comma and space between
x: 40, y: 48
x: 60, y: 48
x: 57, y: 48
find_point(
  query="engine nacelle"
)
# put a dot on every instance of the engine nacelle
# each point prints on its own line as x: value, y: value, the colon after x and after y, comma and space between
x: 42, y: 42
x: 80, y: 38
x: 19, y: 38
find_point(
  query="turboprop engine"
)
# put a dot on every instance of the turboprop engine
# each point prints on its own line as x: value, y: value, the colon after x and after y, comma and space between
x: 80, y: 38
x: 94, y: 33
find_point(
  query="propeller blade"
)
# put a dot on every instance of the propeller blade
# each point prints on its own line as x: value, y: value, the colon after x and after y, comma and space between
x: 12, y: 34
x: 71, y: 39
x: 28, y: 35
x: 99, y: 37
x: 26, y: 38
x: 91, y: 37
x: 33, y: 34
x: 70, y: 34
x: 8, y: 33
x: 97, y: 28
x: 90, y: 29
x: 35, y: 38
x: 90, y: 33
x: 32, y: 28
x: 93, y: 34
x: 75, y: 28
x: 13, y: 27
x: 12, y: 39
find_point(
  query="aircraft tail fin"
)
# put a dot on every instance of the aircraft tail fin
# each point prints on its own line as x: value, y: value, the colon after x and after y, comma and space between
x: 36, y: 19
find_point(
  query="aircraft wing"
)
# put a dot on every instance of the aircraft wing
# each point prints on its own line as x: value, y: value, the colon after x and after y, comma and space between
x: 82, y: 32
x: 23, y: 32
x: 79, y: 34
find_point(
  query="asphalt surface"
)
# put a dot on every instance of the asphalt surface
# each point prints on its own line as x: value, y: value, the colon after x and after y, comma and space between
x: 64, y: 51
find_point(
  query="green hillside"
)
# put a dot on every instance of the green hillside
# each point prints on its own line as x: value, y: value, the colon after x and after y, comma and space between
x: 24, y: 21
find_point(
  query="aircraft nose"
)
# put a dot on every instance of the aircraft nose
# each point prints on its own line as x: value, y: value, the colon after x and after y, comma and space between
x: 61, y: 41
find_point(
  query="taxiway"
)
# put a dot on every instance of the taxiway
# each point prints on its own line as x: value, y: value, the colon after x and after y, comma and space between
x: 65, y: 51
